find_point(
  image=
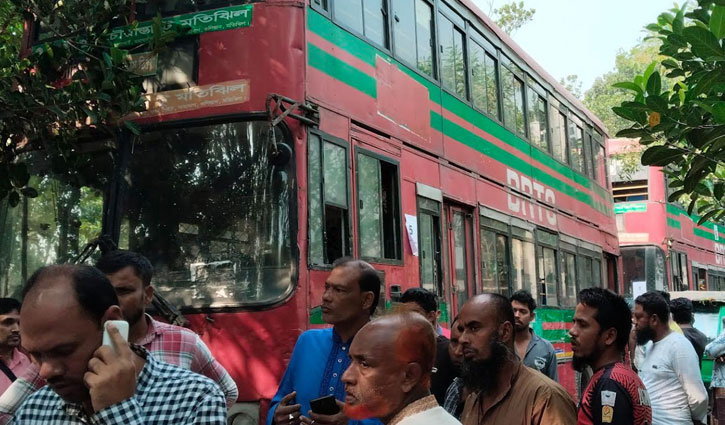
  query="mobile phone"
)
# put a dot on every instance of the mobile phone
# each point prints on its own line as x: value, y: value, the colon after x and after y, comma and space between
x: 122, y: 327
x: 325, y: 405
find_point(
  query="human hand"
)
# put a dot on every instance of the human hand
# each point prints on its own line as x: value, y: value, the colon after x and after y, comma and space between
x: 286, y: 413
x: 720, y: 359
x: 111, y: 375
x: 338, y: 418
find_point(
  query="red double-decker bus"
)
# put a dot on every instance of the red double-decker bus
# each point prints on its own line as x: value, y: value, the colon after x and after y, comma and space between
x: 662, y: 246
x: 282, y: 135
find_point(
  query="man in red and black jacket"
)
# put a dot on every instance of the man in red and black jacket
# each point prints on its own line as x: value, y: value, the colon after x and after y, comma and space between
x: 599, y: 336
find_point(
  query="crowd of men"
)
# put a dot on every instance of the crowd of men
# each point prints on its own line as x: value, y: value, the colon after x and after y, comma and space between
x: 396, y: 369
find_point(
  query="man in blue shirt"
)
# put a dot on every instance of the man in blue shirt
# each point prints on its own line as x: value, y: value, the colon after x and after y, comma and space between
x: 320, y: 356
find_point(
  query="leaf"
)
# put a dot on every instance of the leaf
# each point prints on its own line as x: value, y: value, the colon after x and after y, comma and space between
x: 19, y: 174
x: 632, y: 132
x: 657, y: 103
x: 704, y: 43
x: 660, y: 155
x: 706, y: 82
x: 691, y: 207
x: 653, y: 27
x: 675, y: 196
x: 133, y: 127
x: 718, y: 112
x: 679, y: 22
x: 628, y: 85
x: 108, y: 60
x: 650, y: 69
x: 708, y: 216
x: 719, y: 191
x: 29, y: 192
x: 717, y: 21
x: 669, y: 63
x: 629, y: 114
x: 91, y: 114
x: 14, y: 199
x: 636, y: 106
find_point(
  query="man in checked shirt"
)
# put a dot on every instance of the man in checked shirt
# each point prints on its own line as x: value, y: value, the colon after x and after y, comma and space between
x: 130, y: 274
x: 64, y: 310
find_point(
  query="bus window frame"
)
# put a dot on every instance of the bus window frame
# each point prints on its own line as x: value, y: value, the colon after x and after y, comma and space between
x: 358, y: 150
x: 539, y: 244
x: 462, y: 26
x: 434, y: 78
x: 475, y: 36
x: 496, y: 229
x: 532, y: 84
x: 118, y: 192
x: 326, y: 137
x: 330, y: 14
x: 421, y: 208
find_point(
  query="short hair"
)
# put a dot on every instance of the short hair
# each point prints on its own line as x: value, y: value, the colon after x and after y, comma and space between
x: 368, y: 279
x: 415, y: 328
x: 664, y: 294
x: 120, y: 259
x: 653, y: 302
x: 681, y: 309
x: 8, y: 305
x: 612, y: 312
x: 524, y: 297
x: 426, y: 299
x: 93, y: 290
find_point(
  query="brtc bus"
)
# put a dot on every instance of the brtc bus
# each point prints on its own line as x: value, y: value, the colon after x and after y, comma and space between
x: 282, y: 135
x: 662, y: 247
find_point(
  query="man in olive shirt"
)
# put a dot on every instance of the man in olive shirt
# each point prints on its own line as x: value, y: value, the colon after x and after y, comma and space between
x: 504, y: 391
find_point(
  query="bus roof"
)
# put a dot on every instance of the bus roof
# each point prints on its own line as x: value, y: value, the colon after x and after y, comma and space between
x: 712, y: 296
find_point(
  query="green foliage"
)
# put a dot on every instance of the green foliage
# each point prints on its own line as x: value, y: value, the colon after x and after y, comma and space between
x: 572, y: 84
x: 677, y: 106
x: 610, y: 89
x: 73, y: 86
x: 511, y: 16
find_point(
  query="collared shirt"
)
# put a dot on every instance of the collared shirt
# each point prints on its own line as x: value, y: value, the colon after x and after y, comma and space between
x: 541, y: 356
x: 424, y: 411
x: 165, y: 395
x: 444, y: 370
x: 319, y: 359
x: 167, y: 343
x: 453, y: 403
x: 524, y: 397
x: 615, y: 395
x: 18, y: 363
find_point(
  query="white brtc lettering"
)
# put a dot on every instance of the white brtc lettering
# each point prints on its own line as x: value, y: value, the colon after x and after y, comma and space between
x: 535, y: 190
x: 719, y: 253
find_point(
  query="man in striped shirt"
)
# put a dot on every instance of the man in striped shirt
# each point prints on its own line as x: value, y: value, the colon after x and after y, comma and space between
x: 130, y: 274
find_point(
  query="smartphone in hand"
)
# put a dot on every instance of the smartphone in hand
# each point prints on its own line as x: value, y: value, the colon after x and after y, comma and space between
x: 122, y: 327
x: 325, y: 405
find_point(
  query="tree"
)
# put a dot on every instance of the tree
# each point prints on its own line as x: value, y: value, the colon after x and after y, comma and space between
x: 511, y: 16
x: 75, y: 85
x: 572, y: 84
x: 602, y: 96
x: 682, y: 122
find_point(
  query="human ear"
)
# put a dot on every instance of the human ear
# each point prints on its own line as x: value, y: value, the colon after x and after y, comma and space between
x: 506, y: 331
x: 368, y: 299
x: 112, y: 313
x: 609, y: 336
x: 412, y: 377
x: 148, y: 293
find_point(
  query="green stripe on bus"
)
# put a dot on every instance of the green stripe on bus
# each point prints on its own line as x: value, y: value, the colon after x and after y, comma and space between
x: 673, y: 223
x: 703, y: 234
x: 497, y: 153
x: 676, y: 211
x: 323, y: 27
x: 326, y: 29
x: 340, y: 70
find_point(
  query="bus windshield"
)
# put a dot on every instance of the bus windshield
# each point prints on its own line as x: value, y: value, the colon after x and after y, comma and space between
x: 212, y: 213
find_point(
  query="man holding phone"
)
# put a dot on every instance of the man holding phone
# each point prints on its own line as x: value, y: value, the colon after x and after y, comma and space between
x: 321, y: 356
x: 64, y: 309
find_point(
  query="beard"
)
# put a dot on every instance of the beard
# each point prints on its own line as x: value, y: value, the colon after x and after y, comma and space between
x: 581, y: 363
x: 482, y: 375
x: 644, y: 335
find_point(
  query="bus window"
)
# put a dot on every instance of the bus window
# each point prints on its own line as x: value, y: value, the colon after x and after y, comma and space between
x: 484, y: 80
x: 413, y: 33
x: 429, y: 242
x: 328, y: 212
x: 547, y: 276
x: 568, y: 279
x: 523, y: 262
x: 513, y: 101
x: 678, y: 263
x: 55, y: 226
x: 211, y: 210
x: 494, y: 261
x: 378, y: 205
x: 643, y: 264
x: 538, y: 131
x: 366, y: 17
x: 558, y: 135
x: 149, y: 8
x: 453, y: 69
x: 176, y: 66
x: 576, y: 151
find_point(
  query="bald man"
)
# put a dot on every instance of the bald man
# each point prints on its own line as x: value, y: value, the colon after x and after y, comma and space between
x: 394, y: 388
x: 504, y: 391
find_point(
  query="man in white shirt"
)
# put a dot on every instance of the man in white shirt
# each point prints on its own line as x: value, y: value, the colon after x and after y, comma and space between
x: 669, y: 368
x: 390, y: 372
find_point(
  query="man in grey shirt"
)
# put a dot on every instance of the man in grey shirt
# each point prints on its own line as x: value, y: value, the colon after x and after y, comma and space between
x: 536, y: 352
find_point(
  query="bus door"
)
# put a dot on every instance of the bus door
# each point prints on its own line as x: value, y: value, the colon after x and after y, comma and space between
x: 430, y: 246
x: 460, y: 255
